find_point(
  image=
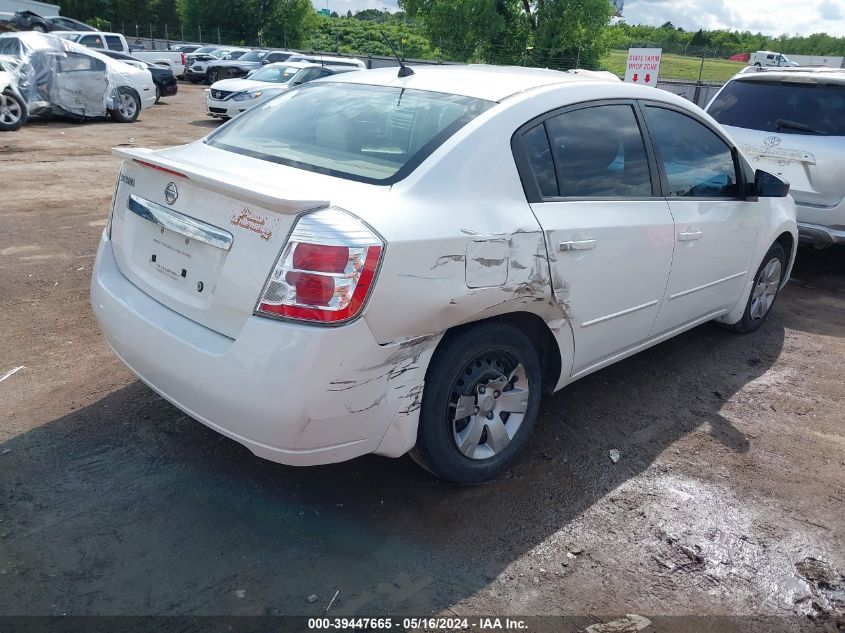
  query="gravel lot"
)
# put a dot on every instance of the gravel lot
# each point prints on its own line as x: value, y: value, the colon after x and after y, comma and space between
x: 728, y: 499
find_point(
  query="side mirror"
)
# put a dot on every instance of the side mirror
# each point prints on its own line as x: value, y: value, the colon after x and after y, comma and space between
x: 767, y: 185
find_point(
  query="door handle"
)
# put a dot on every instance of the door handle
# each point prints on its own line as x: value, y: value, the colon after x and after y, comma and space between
x: 687, y: 236
x: 578, y: 245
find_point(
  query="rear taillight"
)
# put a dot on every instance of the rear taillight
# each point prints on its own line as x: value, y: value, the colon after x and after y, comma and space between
x: 183, y: 58
x: 325, y: 271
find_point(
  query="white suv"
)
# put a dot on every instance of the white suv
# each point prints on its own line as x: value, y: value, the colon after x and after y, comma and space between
x: 791, y: 122
x: 374, y: 263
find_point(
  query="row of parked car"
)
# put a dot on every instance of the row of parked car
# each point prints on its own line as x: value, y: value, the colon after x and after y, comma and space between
x: 208, y: 64
x: 46, y: 74
x: 253, y: 76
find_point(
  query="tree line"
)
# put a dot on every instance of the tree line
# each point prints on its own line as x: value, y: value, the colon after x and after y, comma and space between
x: 549, y: 33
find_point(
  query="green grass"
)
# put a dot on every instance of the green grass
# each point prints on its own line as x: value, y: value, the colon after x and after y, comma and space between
x: 680, y: 67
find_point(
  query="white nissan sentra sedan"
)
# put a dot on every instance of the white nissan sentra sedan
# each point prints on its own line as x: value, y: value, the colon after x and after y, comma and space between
x: 381, y: 264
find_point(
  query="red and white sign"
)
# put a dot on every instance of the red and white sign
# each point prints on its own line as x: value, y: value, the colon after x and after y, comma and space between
x: 643, y: 66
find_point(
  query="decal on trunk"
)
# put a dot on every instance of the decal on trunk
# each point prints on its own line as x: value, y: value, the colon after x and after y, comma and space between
x: 255, y: 222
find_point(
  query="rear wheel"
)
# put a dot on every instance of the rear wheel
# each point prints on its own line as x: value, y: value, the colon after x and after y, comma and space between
x: 12, y: 112
x: 158, y: 94
x: 481, y: 401
x: 128, y: 106
x: 767, y: 283
x: 39, y: 28
x: 757, y: 64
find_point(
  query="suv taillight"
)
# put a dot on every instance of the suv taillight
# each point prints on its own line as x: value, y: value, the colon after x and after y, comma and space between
x: 325, y: 270
x: 183, y: 58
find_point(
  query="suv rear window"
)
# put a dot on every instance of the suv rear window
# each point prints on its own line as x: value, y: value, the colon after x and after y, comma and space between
x: 374, y: 134
x: 788, y: 107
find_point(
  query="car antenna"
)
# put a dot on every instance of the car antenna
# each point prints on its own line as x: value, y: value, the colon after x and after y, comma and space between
x: 404, y: 71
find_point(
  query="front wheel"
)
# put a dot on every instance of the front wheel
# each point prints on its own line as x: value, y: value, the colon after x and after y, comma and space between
x: 158, y: 94
x: 212, y: 77
x: 128, y: 106
x: 767, y: 283
x: 481, y: 401
x: 12, y: 112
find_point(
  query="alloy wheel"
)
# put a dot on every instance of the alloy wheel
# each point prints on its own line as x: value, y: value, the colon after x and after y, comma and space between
x: 10, y: 110
x: 765, y: 289
x: 128, y: 105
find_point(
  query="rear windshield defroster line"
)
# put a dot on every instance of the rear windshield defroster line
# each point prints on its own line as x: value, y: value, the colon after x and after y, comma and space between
x: 366, y: 133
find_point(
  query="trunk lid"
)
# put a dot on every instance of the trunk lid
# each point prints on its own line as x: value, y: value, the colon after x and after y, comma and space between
x: 813, y: 165
x: 199, y: 229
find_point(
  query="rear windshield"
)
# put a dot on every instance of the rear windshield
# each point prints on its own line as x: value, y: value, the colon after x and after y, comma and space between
x: 253, y: 56
x: 374, y: 134
x: 780, y: 106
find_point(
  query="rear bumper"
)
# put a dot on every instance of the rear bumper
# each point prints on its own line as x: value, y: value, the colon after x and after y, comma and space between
x: 816, y: 235
x: 169, y: 87
x: 820, y: 225
x: 290, y: 393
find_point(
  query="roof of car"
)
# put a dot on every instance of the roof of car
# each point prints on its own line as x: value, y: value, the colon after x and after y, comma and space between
x: 795, y: 73
x: 479, y: 81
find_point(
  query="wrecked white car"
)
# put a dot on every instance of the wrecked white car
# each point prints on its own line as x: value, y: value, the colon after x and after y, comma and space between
x: 58, y: 77
x: 13, y: 110
x: 373, y: 263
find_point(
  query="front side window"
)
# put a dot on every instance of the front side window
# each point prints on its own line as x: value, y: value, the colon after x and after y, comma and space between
x: 600, y: 152
x: 374, y: 134
x: 696, y: 161
x: 784, y: 107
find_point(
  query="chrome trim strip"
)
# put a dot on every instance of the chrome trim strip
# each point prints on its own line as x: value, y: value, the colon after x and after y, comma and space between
x: 707, y: 285
x: 180, y: 223
x: 618, y: 314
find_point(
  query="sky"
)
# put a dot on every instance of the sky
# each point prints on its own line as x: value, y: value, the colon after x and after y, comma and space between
x: 771, y: 17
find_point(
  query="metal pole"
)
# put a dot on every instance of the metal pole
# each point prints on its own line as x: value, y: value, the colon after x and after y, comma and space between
x: 218, y: 34
x: 182, y: 31
x: 199, y: 30
x: 165, y: 33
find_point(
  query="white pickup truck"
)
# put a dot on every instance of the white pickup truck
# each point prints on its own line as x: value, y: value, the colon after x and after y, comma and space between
x: 116, y: 42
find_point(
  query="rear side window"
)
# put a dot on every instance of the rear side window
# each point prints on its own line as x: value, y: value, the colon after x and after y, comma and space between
x: 539, y: 153
x: 696, y: 161
x: 114, y: 42
x: 374, y: 134
x: 782, y: 106
x: 94, y: 41
x: 600, y: 153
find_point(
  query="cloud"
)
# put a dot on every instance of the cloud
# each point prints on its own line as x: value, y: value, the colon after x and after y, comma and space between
x: 772, y: 18
x: 830, y: 11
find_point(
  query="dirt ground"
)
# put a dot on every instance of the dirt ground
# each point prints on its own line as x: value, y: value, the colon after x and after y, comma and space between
x: 728, y: 499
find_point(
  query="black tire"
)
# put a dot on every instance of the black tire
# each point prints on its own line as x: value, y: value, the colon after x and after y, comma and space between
x: 40, y: 28
x: 212, y: 77
x: 124, y: 113
x: 158, y: 94
x: 751, y: 319
x: 477, y: 353
x: 758, y: 65
x: 13, y: 113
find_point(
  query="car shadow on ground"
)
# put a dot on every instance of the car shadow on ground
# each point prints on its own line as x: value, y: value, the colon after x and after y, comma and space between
x: 816, y: 292
x: 129, y: 506
x: 209, y: 123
